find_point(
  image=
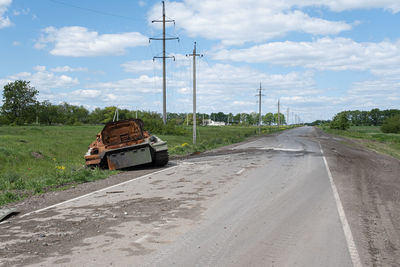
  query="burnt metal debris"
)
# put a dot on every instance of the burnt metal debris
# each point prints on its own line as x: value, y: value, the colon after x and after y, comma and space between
x: 124, y: 144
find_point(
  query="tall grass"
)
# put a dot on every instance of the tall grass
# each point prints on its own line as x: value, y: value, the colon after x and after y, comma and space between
x: 373, y: 138
x: 36, y: 159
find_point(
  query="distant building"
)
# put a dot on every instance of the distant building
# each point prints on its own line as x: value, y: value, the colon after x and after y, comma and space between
x: 209, y: 122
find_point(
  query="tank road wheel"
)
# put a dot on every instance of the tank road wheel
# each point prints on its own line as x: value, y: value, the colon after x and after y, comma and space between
x: 160, y: 158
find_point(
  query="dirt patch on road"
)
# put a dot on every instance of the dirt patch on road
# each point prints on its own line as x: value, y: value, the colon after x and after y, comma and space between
x: 31, y: 239
x: 369, y: 186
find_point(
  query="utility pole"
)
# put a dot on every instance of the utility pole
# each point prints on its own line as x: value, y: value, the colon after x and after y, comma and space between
x: 164, y: 57
x: 287, y: 119
x: 293, y: 118
x: 259, y: 108
x: 279, y: 114
x: 194, y: 55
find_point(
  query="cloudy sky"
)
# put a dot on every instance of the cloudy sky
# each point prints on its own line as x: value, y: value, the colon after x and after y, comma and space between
x: 318, y: 57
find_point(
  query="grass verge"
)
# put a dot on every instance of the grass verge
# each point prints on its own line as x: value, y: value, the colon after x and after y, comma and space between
x: 37, y: 159
x: 371, y: 137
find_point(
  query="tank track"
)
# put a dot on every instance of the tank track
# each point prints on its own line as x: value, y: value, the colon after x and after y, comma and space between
x: 161, y: 158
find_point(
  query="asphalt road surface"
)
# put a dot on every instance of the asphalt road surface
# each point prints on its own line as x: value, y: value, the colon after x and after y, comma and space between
x: 269, y: 202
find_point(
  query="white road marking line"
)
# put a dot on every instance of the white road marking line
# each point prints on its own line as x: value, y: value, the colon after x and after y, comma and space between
x: 282, y: 149
x: 94, y: 192
x: 355, y: 257
x: 139, y: 240
x: 241, y: 171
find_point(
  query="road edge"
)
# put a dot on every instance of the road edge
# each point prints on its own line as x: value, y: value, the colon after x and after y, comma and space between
x: 351, y: 246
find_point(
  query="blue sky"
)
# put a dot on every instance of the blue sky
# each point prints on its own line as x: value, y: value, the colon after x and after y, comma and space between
x: 318, y: 57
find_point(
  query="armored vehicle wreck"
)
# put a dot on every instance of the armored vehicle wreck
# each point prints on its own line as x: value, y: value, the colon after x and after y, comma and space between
x: 124, y: 144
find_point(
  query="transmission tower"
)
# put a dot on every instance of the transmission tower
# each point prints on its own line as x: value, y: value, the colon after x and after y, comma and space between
x: 164, y: 57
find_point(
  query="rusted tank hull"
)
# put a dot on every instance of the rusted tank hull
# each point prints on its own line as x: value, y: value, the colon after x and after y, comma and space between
x: 125, y: 144
x: 129, y: 158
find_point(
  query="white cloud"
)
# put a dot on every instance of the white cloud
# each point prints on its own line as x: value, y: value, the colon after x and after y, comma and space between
x: 237, y: 22
x: 86, y: 93
x: 218, y: 87
x: 385, y: 86
x: 42, y: 80
x: 24, y: 11
x: 16, y: 43
x: 228, y: 79
x: 39, y: 68
x: 4, y: 20
x: 78, y: 41
x: 137, y: 66
x: 142, y: 84
x: 341, y: 5
x: 336, y: 54
x: 69, y: 69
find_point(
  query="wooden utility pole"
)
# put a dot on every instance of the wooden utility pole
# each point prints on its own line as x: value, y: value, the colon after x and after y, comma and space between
x: 194, y: 55
x: 164, y: 57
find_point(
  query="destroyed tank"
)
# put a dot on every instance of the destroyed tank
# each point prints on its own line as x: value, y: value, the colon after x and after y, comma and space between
x: 123, y: 144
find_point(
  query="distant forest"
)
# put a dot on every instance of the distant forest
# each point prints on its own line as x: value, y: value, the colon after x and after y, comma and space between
x: 374, y: 117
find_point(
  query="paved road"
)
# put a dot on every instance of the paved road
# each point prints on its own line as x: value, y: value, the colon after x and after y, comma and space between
x: 264, y: 203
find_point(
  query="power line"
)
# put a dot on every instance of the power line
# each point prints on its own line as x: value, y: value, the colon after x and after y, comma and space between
x: 93, y: 10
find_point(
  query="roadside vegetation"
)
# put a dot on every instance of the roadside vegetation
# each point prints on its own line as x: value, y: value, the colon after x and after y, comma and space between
x: 378, y: 130
x: 36, y: 159
x: 42, y: 145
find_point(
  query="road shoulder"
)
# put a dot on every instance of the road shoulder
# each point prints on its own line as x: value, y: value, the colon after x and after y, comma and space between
x: 369, y: 186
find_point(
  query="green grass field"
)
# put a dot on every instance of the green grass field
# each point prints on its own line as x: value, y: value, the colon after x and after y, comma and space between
x: 36, y: 159
x: 373, y: 138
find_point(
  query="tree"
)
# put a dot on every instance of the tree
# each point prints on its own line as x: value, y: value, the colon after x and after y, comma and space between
x: 268, y: 118
x: 96, y: 116
x: 220, y: 116
x: 340, y: 121
x: 375, y: 115
x: 49, y: 114
x: 19, y: 102
x: 281, y: 118
x: 391, y: 125
x: 252, y: 118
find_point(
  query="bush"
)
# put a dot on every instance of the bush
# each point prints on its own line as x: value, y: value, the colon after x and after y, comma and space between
x: 391, y: 125
x: 4, y: 120
x: 340, y: 121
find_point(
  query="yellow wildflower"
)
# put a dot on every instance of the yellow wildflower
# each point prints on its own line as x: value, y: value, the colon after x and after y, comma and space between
x: 61, y: 168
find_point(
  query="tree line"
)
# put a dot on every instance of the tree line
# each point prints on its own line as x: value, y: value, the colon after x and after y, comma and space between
x: 20, y: 106
x: 388, y: 119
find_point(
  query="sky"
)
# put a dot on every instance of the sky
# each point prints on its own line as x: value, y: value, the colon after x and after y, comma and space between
x: 319, y: 57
